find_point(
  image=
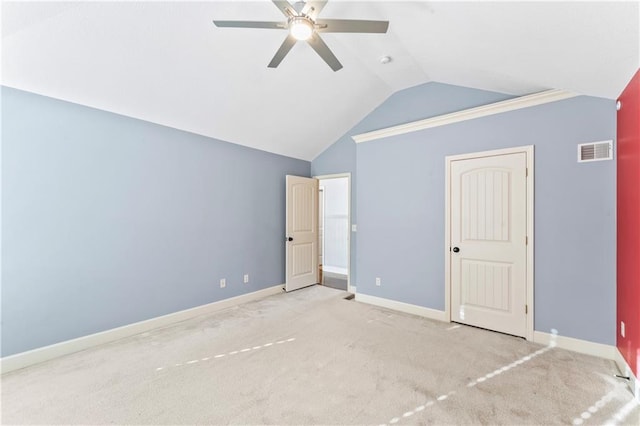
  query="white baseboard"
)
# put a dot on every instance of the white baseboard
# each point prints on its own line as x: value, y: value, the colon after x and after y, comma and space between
x: 335, y: 270
x: 401, y: 306
x: 576, y: 345
x: 633, y: 383
x: 35, y: 356
x: 569, y: 343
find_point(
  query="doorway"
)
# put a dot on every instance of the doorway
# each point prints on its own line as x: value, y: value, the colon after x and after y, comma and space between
x: 334, y: 220
x: 489, y: 240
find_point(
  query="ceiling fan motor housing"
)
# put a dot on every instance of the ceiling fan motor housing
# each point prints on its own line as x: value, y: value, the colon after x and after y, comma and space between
x: 301, y: 27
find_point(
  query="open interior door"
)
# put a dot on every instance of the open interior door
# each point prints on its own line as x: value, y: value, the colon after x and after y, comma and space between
x: 302, y: 232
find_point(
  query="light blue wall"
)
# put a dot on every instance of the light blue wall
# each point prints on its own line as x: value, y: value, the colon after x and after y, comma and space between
x: 400, y: 199
x: 108, y: 220
x: 416, y: 103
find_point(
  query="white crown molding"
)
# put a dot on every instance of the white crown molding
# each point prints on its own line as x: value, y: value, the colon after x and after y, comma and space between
x: 401, y: 307
x: 35, y: 356
x: 539, y: 98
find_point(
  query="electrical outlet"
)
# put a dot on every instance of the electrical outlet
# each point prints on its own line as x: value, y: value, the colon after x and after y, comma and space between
x: 622, y: 331
x: 223, y: 283
x: 246, y: 278
x: 378, y: 281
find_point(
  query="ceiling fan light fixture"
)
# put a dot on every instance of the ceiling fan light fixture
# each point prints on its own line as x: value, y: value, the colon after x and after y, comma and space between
x: 302, y: 25
x: 301, y: 28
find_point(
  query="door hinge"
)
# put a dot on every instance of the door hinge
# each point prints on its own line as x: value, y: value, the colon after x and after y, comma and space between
x: 526, y: 309
x: 526, y: 240
x: 526, y: 172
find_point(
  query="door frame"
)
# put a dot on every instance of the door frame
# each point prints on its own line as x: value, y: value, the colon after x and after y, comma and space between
x: 320, y: 217
x: 350, y: 288
x: 529, y: 151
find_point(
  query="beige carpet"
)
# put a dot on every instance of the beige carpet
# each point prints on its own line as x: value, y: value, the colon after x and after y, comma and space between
x: 310, y: 357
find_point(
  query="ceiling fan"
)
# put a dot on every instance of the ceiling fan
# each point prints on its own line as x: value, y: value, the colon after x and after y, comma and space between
x: 303, y: 25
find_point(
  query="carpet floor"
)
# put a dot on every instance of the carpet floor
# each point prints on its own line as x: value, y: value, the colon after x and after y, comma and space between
x: 311, y: 357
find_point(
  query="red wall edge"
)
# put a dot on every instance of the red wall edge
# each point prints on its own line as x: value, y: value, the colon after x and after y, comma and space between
x: 628, y: 223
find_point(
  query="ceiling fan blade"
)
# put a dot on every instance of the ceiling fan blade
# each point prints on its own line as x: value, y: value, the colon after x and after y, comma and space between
x: 285, y: 7
x: 323, y: 50
x: 251, y: 24
x: 351, y: 26
x: 313, y: 8
x: 285, y: 47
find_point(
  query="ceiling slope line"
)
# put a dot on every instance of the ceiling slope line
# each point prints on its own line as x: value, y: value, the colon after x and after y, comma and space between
x: 526, y: 101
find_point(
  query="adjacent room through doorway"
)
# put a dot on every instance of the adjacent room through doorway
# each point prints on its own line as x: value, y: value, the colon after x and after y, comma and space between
x: 333, y: 233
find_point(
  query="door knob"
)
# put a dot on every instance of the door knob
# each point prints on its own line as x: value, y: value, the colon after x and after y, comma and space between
x: 289, y: 239
x: 456, y: 249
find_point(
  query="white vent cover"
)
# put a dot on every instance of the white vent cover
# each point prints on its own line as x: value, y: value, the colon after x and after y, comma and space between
x: 595, y: 151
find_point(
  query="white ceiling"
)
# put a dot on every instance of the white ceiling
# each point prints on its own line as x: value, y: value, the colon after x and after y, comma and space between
x: 165, y: 62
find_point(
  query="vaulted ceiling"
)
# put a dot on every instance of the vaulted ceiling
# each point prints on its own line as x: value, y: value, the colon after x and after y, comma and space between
x: 165, y: 62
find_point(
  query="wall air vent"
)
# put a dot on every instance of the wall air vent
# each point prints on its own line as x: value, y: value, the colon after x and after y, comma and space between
x: 595, y: 151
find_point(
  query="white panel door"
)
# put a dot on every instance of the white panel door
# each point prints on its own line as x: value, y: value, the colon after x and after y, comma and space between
x: 488, y: 242
x: 302, y: 232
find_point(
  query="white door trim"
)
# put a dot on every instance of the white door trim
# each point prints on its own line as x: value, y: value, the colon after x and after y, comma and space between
x: 350, y: 288
x: 528, y: 150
